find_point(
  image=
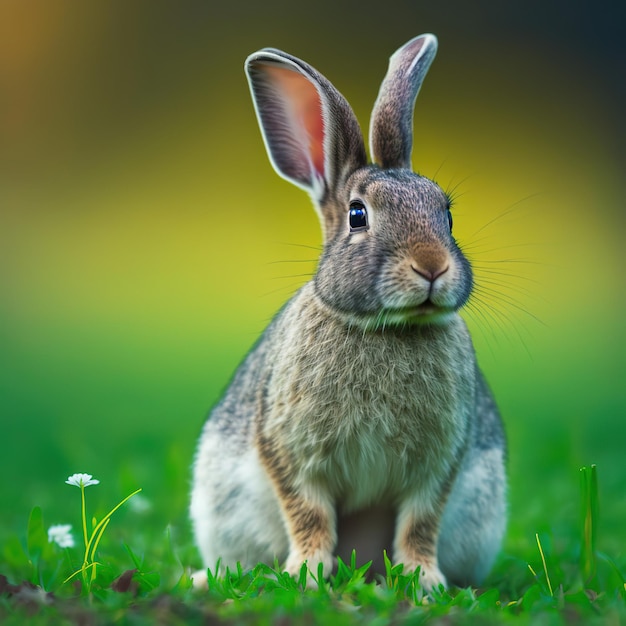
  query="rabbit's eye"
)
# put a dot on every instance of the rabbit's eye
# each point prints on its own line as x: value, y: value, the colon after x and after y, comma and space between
x: 450, y: 219
x: 357, y: 217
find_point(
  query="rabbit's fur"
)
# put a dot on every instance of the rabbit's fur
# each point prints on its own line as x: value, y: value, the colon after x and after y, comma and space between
x: 360, y: 419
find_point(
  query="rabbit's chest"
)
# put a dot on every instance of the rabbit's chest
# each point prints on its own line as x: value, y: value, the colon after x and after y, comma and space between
x: 369, y: 418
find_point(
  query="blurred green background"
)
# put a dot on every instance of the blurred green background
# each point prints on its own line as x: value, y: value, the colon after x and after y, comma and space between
x: 145, y: 241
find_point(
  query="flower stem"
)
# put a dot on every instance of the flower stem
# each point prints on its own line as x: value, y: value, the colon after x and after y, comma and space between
x: 84, y: 519
x: 84, y: 511
x: 92, y: 540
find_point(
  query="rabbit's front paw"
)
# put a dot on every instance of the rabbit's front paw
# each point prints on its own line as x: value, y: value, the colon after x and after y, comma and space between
x: 295, y: 561
x: 200, y: 579
x: 430, y: 576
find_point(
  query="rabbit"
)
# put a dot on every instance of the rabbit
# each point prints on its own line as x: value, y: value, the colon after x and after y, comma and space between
x: 360, y: 419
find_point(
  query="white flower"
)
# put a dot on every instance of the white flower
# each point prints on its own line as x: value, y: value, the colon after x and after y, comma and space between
x: 61, y: 534
x: 81, y: 480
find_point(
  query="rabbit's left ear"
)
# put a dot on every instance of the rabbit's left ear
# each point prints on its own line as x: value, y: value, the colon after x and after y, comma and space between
x: 311, y: 134
x: 391, y: 126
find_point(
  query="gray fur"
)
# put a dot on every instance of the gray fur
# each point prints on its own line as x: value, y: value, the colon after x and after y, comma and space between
x: 391, y: 131
x: 360, y: 419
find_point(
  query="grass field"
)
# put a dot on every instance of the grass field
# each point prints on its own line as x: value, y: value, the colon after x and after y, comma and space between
x: 142, y: 577
x: 145, y: 242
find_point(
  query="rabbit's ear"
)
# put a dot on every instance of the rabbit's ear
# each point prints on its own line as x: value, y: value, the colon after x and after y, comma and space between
x: 391, y: 126
x: 310, y: 132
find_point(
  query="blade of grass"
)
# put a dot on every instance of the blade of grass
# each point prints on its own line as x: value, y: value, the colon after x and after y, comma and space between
x: 545, y: 567
x: 589, y: 515
x: 105, y: 520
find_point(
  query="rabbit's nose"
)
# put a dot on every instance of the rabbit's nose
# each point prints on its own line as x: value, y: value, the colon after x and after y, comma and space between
x: 431, y: 275
x: 429, y: 262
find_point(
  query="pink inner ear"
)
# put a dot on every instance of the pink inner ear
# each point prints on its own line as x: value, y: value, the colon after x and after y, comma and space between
x: 304, y: 106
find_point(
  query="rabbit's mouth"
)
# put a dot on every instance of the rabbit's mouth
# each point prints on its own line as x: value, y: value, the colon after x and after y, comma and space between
x: 428, y: 308
x: 425, y: 313
x: 428, y: 312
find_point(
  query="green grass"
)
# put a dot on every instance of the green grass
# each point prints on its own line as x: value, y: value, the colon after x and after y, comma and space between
x: 143, y: 577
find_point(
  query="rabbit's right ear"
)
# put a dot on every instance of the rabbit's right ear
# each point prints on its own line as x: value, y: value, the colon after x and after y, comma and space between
x: 311, y: 134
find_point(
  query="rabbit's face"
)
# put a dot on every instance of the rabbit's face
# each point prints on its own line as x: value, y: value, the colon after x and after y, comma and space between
x: 390, y: 257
